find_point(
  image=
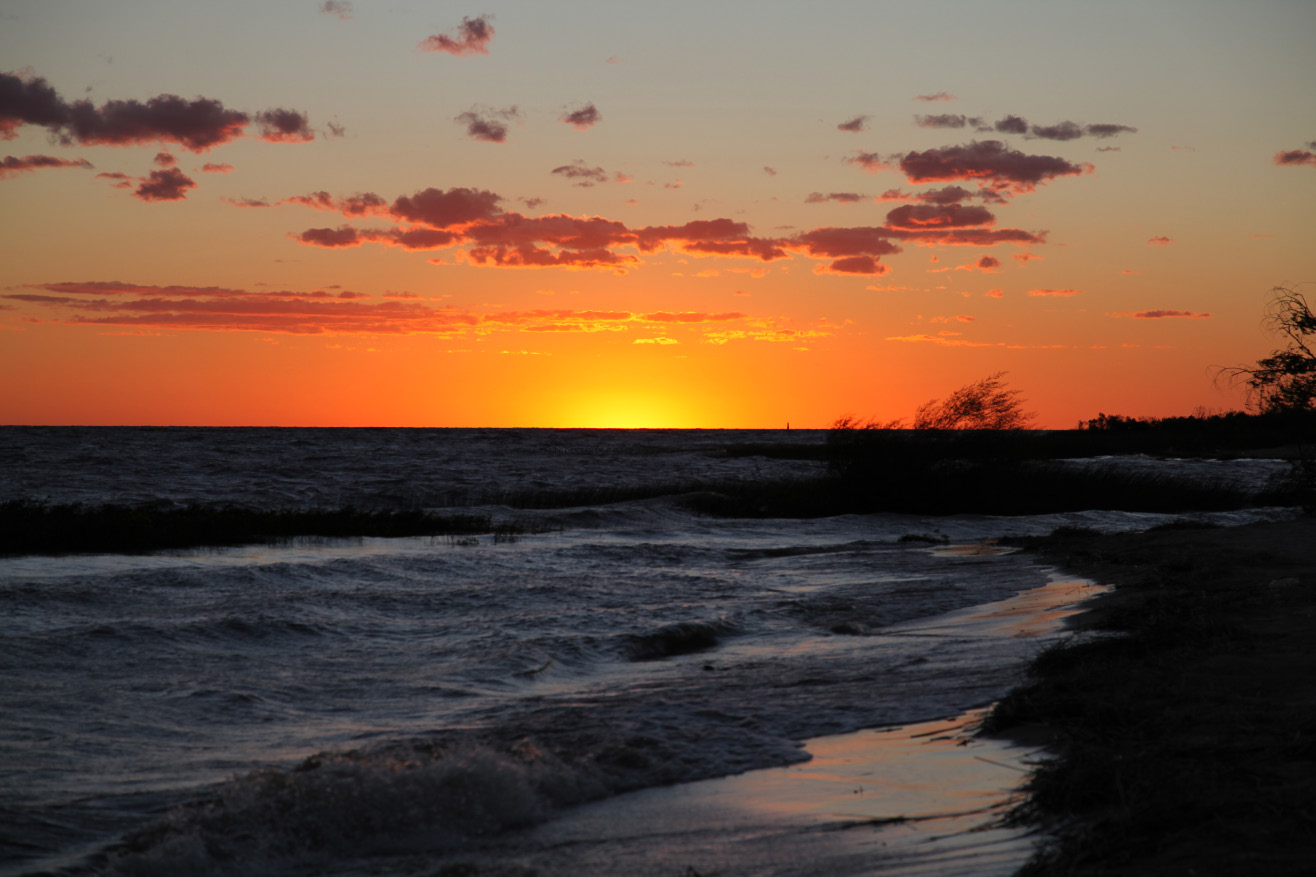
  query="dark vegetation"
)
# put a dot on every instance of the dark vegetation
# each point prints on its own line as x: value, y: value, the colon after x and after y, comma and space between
x: 1285, y: 381
x: 1187, y: 744
x: 37, y: 528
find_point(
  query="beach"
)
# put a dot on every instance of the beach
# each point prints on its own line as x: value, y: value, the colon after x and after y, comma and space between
x: 1187, y: 744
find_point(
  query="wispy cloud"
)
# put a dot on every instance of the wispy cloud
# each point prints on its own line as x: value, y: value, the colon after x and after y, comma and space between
x: 11, y: 165
x: 472, y: 38
x: 487, y: 124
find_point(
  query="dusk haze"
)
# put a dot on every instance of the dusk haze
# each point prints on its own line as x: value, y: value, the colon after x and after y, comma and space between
x: 621, y: 215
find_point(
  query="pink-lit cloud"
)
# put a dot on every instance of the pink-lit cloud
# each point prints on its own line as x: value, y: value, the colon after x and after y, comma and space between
x: 1054, y: 292
x: 932, y: 98
x: 360, y: 204
x: 12, y: 165
x: 869, y: 161
x: 165, y: 185
x: 1159, y: 241
x: 584, y: 118
x: 1297, y: 157
x: 212, y: 167
x: 932, y: 216
x: 472, y: 38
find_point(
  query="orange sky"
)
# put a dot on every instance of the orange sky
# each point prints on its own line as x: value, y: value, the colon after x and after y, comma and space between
x: 744, y: 215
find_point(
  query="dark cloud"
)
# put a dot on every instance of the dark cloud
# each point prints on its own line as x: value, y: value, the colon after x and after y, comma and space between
x: 866, y: 265
x: 246, y: 202
x: 989, y: 161
x: 942, y: 120
x: 211, y: 167
x: 855, y: 125
x: 584, y: 118
x: 12, y: 165
x: 166, y: 185
x: 1060, y: 131
x: 1107, y: 129
x: 29, y: 101
x: 343, y: 236
x: 919, y: 217
x: 770, y: 171
x: 489, y: 125
x: 939, y: 96
x: 199, y: 124
x: 164, y: 159
x: 989, y: 264
x: 584, y: 176
x: 1065, y: 130
x: 284, y: 126
x: 679, y: 163
x: 837, y: 242
x: 1012, y: 125
x: 439, y: 209
x: 843, y: 197
x: 473, y: 37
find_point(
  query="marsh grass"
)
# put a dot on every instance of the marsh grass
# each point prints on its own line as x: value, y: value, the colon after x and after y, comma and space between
x: 29, y: 527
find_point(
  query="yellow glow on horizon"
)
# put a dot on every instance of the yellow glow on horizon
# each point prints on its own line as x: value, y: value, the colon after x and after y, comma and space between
x: 626, y: 409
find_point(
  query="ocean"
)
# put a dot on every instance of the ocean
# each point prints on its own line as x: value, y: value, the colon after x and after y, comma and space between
x: 466, y: 705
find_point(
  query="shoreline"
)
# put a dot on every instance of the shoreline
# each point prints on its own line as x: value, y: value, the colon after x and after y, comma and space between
x: 1186, y: 745
x: 913, y: 799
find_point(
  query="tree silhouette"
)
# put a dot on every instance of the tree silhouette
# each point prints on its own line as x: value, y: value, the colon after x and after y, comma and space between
x: 1285, y: 381
x: 985, y: 404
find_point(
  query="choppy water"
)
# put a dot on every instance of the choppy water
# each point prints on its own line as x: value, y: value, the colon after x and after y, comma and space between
x: 297, y: 709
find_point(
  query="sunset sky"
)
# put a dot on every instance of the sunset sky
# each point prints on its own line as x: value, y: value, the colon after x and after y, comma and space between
x: 713, y: 214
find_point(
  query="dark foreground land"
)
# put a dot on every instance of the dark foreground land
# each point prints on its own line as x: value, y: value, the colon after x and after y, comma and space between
x: 1187, y: 744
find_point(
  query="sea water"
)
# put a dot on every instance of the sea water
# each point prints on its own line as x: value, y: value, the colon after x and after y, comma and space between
x: 328, y: 707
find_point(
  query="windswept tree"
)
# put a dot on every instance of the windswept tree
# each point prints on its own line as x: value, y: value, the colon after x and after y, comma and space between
x: 985, y: 404
x: 1285, y: 381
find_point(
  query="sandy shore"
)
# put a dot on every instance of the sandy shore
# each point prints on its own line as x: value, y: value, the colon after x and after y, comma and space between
x: 1187, y: 745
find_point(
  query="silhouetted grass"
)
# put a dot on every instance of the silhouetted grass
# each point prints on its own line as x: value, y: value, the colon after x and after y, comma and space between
x: 28, y: 527
x: 1183, y: 745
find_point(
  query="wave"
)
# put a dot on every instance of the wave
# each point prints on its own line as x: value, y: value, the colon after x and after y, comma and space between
x: 435, y: 794
x: 681, y: 638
